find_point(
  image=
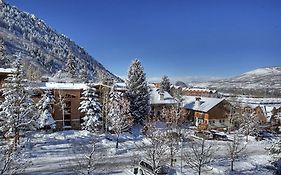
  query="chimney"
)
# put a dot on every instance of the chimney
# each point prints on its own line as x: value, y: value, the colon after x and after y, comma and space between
x: 161, y: 95
x: 43, y: 79
x: 197, y: 103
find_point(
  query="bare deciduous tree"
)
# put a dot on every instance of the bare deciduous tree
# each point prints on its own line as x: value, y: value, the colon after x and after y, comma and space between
x: 199, y: 156
x: 249, y: 124
x: 172, y: 132
x: 234, y: 149
x: 172, y: 140
x: 275, y: 152
x: 11, y: 161
x: 86, y: 164
x: 154, y: 146
x: 62, y: 104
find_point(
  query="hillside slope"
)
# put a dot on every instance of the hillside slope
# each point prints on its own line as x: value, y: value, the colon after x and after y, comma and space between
x: 43, y: 50
x: 262, y: 82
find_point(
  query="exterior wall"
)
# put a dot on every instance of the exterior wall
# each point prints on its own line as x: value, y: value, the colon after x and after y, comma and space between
x: 217, y: 117
x: 196, y: 93
x: 156, y: 110
x: 218, y: 123
x: 260, y: 115
x: 72, y: 116
x: 192, y: 92
x: 201, y: 118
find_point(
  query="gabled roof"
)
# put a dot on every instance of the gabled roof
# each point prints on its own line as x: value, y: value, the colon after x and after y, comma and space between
x: 206, y: 103
x: 155, y: 97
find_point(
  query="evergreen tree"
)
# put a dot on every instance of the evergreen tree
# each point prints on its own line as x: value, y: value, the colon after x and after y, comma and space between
x: 46, y: 119
x: 119, y: 117
x: 17, y: 112
x: 70, y: 66
x: 91, y: 107
x: 165, y: 84
x: 83, y: 75
x: 138, y: 92
x: 4, y: 61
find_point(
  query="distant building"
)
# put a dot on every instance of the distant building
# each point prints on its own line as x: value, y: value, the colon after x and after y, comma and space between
x: 189, y: 91
x: 266, y: 116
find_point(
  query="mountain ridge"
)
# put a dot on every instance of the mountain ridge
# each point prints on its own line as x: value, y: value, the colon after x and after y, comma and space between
x: 43, y: 49
x: 264, y: 81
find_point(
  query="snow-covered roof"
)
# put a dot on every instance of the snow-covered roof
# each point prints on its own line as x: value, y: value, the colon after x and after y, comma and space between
x: 155, y: 97
x: 54, y: 85
x: 206, y: 103
x: 120, y: 86
x: 7, y: 70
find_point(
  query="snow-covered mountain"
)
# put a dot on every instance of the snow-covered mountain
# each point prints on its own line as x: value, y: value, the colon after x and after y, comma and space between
x: 42, y: 48
x: 268, y: 71
x: 259, y: 82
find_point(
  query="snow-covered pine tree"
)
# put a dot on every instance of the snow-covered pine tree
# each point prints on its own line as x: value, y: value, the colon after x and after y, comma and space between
x: 4, y: 61
x: 70, y: 66
x: 165, y: 84
x: 83, y: 75
x: 44, y: 107
x: 17, y: 112
x: 91, y: 108
x: 138, y: 92
x: 119, y: 117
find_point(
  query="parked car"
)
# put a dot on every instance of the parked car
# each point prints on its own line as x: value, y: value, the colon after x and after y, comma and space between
x: 146, y: 168
x: 219, y: 135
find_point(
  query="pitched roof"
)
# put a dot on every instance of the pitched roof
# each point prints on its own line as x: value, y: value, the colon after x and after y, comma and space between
x: 155, y: 97
x: 206, y: 103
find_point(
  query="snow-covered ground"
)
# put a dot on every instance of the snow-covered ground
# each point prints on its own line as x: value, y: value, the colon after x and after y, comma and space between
x: 60, y: 152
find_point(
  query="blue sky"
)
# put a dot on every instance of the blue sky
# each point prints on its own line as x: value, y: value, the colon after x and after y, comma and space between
x: 218, y: 38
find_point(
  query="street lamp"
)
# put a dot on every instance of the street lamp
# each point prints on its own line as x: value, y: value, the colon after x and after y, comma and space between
x: 181, y: 152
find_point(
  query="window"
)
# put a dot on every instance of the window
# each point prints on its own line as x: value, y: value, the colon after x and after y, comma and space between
x: 67, y: 123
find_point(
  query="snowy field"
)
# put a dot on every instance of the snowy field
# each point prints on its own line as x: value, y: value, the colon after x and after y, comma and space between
x: 62, y: 153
